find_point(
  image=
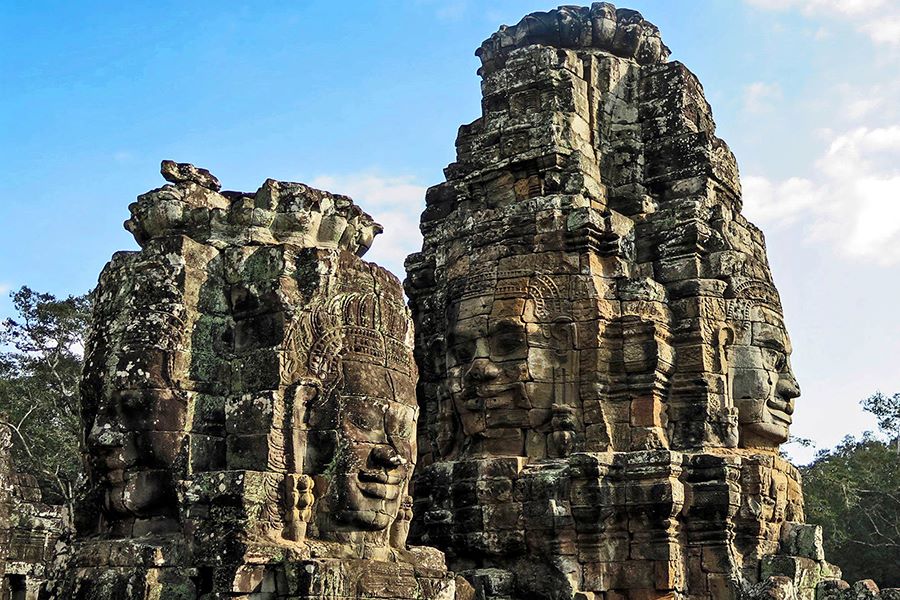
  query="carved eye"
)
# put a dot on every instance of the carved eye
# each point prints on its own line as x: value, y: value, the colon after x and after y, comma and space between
x: 400, y: 422
x: 507, y: 338
x: 367, y: 417
x: 780, y: 361
x: 464, y: 352
x: 777, y: 358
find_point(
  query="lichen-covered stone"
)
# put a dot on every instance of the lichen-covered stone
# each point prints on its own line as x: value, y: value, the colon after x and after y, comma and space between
x: 249, y: 407
x: 605, y: 368
x: 30, y: 529
x: 184, y: 172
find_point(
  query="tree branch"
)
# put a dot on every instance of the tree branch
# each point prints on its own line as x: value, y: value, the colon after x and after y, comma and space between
x: 19, y: 433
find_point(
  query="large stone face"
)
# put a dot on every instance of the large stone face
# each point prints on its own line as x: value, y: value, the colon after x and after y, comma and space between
x: 605, y: 369
x: 249, y: 406
x: 588, y: 252
x: 593, y: 398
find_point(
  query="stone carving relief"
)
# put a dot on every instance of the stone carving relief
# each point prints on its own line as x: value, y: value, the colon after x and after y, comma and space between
x: 361, y: 355
x: 763, y: 385
x: 250, y: 406
x: 135, y: 390
x: 589, y: 407
x: 512, y: 365
x: 605, y: 368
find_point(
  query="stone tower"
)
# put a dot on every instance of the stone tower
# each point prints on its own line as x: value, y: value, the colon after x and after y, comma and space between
x: 605, y: 372
x: 249, y: 407
x: 590, y: 406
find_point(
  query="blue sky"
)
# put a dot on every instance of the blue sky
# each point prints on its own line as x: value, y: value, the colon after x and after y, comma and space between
x: 365, y: 99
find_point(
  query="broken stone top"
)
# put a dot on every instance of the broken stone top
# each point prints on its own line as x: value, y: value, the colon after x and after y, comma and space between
x: 622, y: 32
x: 278, y: 212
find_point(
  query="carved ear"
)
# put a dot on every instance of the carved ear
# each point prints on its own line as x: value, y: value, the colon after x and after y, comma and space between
x: 446, y: 430
x: 307, y: 393
x: 437, y: 353
x: 564, y: 334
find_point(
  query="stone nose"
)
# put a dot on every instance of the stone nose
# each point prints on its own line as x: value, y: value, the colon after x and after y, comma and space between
x: 482, y: 370
x: 787, y: 388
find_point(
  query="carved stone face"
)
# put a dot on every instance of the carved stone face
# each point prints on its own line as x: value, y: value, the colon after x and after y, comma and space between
x: 763, y: 384
x: 105, y: 443
x: 488, y: 364
x: 135, y: 415
x: 376, y: 446
x: 131, y: 462
x: 505, y: 370
x: 362, y: 354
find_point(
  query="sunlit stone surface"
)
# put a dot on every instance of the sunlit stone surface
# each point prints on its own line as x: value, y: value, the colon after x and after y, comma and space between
x: 590, y: 407
x: 249, y: 406
x: 605, y: 369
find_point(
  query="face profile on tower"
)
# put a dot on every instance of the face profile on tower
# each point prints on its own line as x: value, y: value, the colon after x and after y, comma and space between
x: 136, y: 386
x: 133, y: 467
x: 763, y: 385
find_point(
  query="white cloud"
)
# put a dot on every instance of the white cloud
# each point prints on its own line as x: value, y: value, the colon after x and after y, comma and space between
x: 760, y: 96
x: 859, y: 108
x: 885, y: 30
x: 875, y: 103
x: 781, y: 202
x: 844, y: 7
x: 394, y: 201
x: 879, y: 19
x: 853, y: 203
x: 4, y: 289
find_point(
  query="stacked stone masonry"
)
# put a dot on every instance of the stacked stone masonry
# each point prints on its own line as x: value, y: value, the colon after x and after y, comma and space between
x: 605, y: 373
x: 593, y: 396
x: 249, y: 407
x: 30, y: 529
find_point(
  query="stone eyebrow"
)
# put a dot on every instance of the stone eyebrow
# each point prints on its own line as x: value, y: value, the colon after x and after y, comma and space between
x: 771, y: 338
x: 507, y: 324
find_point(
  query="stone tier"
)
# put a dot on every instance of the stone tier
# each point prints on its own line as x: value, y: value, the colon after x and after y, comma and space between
x: 279, y: 212
x: 622, y: 32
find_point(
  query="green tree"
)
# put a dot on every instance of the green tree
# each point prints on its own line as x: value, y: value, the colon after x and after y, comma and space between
x: 853, y: 491
x: 40, y: 367
x: 887, y: 410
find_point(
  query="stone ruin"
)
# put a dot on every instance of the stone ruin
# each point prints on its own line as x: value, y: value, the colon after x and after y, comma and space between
x: 605, y: 373
x: 30, y: 529
x: 249, y: 406
x: 599, y: 371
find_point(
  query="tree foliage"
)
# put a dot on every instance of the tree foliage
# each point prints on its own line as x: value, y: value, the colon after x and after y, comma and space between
x: 853, y: 491
x: 40, y: 367
x: 887, y: 410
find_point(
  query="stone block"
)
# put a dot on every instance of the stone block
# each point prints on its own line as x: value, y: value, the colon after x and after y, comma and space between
x: 802, y: 539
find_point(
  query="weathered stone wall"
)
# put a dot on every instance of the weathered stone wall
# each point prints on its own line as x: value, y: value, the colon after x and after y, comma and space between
x: 605, y: 369
x: 30, y: 530
x: 249, y: 406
